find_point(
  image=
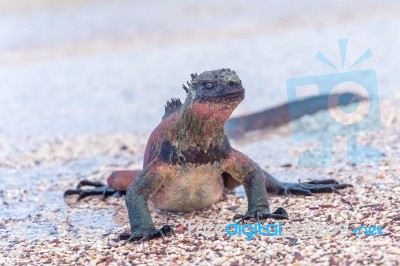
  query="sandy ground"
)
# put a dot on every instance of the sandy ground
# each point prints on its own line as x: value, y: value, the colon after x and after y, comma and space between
x: 43, y: 228
x: 84, y: 82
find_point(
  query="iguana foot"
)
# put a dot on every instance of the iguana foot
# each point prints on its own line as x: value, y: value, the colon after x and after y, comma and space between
x: 314, y: 186
x: 141, y: 235
x: 279, y: 214
x: 99, y: 189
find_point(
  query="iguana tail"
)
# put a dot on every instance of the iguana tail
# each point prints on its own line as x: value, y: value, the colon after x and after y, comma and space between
x: 274, y: 117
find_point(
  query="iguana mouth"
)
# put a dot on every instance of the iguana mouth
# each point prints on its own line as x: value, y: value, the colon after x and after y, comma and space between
x: 234, y: 95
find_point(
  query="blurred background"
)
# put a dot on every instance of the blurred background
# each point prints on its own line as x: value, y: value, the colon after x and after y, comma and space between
x: 79, y: 66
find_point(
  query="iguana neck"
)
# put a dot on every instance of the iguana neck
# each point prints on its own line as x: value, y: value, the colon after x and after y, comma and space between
x: 199, y: 129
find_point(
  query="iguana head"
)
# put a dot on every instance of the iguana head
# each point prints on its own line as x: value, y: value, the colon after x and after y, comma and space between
x: 222, y: 85
x: 215, y: 91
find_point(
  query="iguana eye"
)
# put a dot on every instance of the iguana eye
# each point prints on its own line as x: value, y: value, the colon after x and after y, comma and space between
x: 231, y: 83
x: 208, y: 85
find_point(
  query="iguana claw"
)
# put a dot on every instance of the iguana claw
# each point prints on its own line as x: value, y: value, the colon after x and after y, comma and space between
x: 146, y: 234
x: 99, y: 189
x: 279, y: 214
x: 314, y: 186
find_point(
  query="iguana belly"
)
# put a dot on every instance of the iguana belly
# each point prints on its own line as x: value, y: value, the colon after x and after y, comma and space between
x: 191, y: 188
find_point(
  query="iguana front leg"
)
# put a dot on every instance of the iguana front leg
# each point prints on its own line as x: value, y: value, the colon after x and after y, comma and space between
x: 139, y: 191
x: 244, y: 170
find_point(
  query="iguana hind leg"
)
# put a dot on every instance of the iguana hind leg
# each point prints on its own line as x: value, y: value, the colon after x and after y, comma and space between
x: 120, y: 180
x: 302, y: 188
x: 118, y: 183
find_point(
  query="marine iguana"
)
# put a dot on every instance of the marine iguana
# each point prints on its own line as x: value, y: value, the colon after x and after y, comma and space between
x: 189, y: 161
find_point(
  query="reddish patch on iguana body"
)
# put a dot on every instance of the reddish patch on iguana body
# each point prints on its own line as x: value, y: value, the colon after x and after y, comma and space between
x: 219, y: 112
x: 156, y: 137
x: 120, y: 180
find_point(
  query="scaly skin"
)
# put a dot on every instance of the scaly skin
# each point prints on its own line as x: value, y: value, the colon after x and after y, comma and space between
x: 189, y: 161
